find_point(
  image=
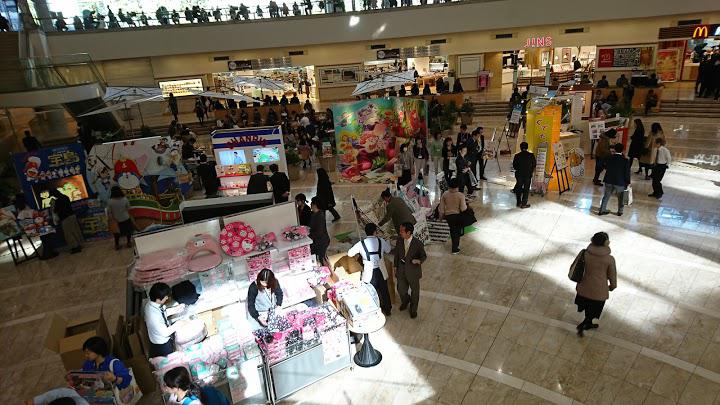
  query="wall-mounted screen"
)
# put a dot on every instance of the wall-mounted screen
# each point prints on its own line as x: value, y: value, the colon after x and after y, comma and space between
x: 265, y: 155
x: 232, y: 157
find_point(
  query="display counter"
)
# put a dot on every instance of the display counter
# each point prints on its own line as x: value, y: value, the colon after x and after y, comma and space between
x: 638, y: 101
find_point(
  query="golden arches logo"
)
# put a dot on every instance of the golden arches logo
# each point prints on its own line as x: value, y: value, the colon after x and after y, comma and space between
x: 700, y: 31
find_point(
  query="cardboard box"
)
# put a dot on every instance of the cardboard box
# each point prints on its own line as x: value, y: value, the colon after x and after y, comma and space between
x: 66, y: 337
x: 143, y: 374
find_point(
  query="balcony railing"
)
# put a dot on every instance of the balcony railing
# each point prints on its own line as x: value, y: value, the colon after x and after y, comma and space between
x: 118, y: 20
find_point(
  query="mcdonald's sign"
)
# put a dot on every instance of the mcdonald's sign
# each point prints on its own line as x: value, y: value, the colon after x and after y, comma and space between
x: 700, y: 32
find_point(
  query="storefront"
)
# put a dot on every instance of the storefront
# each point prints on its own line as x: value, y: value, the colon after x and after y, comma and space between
x: 336, y: 82
x: 681, y: 49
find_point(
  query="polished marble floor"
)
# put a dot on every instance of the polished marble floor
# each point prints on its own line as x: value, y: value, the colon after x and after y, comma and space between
x: 496, y: 323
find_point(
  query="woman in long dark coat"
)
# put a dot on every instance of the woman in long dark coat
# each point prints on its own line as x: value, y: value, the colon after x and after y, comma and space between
x: 637, y: 143
x: 325, y: 195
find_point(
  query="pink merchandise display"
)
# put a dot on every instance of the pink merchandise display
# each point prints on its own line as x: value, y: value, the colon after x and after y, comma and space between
x: 237, y: 239
x: 165, y: 265
x: 256, y: 263
x: 300, y: 259
x: 295, y: 232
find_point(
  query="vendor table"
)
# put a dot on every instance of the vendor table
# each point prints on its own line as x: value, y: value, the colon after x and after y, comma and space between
x: 368, y: 356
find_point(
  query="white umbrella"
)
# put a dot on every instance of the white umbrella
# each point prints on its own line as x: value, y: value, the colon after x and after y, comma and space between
x: 124, y: 105
x: 130, y: 93
x: 384, y: 81
x: 261, y: 83
x: 236, y: 97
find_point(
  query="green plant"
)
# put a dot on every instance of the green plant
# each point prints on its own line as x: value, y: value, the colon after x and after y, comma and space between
x: 625, y: 110
x: 292, y: 157
x: 448, y: 116
x: 467, y: 107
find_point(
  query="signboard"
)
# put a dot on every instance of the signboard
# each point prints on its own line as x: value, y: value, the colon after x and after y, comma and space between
x: 345, y: 75
x: 538, y: 182
x: 240, y: 65
x: 540, y: 91
x: 559, y: 152
x: 516, y: 114
x: 575, y: 158
x: 625, y: 57
x: 388, y: 54
x: 179, y: 88
x: 538, y: 42
x: 596, y: 128
x: 700, y: 32
x: 327, y: 150
x: 668, y: 64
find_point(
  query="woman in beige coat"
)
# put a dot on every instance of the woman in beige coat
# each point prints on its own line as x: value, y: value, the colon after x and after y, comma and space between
x: 647, y: 159
x: 599, y: 279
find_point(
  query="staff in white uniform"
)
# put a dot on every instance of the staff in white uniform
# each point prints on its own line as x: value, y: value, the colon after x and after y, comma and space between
x: 160, y: 331
x: 371, y: 249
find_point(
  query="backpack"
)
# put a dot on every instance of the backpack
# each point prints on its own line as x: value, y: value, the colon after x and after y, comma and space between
x: 210, y: 395
x: 577, y: 268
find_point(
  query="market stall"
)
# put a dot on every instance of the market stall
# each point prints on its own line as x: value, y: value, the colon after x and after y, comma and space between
x: 239, y: 151
x: 210, y: 264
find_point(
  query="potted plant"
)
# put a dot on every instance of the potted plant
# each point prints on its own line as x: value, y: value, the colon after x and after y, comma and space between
x: 293, y: 160
x: 448, y: 117
x: 466, y: 112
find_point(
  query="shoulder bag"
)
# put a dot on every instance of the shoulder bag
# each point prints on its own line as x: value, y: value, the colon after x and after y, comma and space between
x: 129, y: 395
x: 577, y: 268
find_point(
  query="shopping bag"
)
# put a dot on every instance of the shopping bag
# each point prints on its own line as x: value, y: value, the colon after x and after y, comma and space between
x: 628, y: 196
x: 577, y: 268
x: 129, y: 395
x: 473, y: 179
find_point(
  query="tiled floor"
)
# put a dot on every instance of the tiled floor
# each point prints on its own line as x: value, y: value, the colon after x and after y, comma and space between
x: 496, y: 323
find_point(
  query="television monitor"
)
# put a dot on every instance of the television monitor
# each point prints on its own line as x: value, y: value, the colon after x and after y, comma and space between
x: 232, y: 157
x: 73, y: 187
x: 266, y: 155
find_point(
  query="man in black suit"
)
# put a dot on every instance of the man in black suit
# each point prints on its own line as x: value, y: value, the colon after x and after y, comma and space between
x: 208, y: 176
x: 524, y: 164
x: 462, y: 136
x: 409, y: 256
x: 617, y: 178
x: 280, y: 184
x: 258, y: 182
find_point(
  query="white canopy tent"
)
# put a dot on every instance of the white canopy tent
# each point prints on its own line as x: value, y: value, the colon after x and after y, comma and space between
x: 384, y: 81
x: 114, y: 93
x: 125, y: 105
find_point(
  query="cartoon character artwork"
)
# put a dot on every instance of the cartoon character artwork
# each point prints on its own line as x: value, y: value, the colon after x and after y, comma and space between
x: 45, y: 200
x: 32, y: 168
x: 127, y: 174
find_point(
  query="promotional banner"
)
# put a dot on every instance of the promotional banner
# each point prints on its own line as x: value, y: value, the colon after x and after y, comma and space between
x: 668, y: 64
x: 62, y: 168
x: 625, y: 57
x: 368, y: 134
x: 151, y: 173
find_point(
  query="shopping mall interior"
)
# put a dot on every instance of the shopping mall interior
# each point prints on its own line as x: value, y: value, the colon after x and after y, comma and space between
x: 453, y: 267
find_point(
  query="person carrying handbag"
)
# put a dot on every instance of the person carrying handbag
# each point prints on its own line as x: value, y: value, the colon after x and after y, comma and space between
x: 452, y: 205
x: 596, y: 275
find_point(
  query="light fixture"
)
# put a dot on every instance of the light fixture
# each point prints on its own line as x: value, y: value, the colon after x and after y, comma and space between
x: 354, y: 20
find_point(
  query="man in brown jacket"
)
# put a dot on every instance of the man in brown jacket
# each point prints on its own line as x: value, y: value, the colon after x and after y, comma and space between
x: 599, y: 279
x: 602, y: 152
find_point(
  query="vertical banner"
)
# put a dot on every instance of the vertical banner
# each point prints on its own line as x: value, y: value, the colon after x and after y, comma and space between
x: 151, y: 173
x: 367, y: 134
x: 668, y: 64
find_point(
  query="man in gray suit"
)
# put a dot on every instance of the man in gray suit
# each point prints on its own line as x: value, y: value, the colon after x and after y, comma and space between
x: 396, y: 210
x: 409, y: 256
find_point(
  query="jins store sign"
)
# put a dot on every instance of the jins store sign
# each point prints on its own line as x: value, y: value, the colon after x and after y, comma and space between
x: 538, y: 42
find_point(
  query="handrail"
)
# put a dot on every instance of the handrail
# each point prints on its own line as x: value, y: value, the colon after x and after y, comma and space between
x: 49, y: 73
x: 171, y: 18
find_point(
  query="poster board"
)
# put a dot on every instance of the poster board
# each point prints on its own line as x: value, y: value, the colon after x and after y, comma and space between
x: 668, y: 64
x: 151, y: 173
x: 180, y: 88
x: 559, y: 153
x: 516, y: 114
x: 596, y: 127
x: 625, y: 57
x: 368, y: 134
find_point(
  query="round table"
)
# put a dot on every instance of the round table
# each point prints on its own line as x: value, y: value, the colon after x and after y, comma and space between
x: 368, y: 356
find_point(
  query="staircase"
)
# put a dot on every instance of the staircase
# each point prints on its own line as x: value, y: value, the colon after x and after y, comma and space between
x: 491, y: 109
x: 700, y: 108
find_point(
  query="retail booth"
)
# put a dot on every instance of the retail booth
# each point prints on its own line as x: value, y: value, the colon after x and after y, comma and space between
x: 239, y: 151
x: 681, y: 49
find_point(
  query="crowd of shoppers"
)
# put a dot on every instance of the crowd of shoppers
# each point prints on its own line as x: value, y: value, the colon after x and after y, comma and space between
x: 108, y: 19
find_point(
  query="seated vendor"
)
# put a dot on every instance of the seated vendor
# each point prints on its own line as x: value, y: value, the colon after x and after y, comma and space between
x: 98, y: 358
x: 160, y: 331
x: 264, y: 295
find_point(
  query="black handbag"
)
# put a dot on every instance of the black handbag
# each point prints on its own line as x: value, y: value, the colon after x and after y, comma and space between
x: 467, y: 217
x: 577, y: 268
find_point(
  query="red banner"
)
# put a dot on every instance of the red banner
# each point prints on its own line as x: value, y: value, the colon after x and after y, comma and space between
x: 606, y: 57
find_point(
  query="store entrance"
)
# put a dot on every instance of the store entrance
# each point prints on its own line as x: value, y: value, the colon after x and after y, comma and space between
x: 429, y: 68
